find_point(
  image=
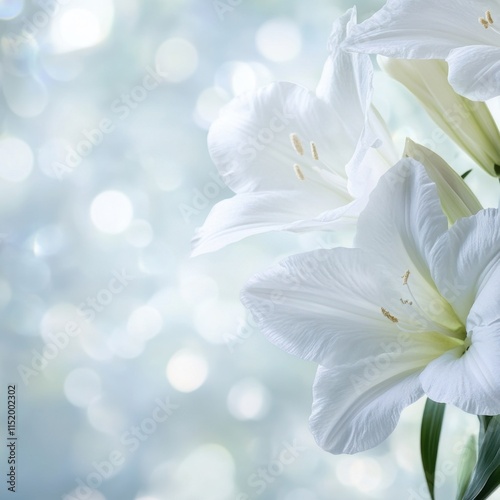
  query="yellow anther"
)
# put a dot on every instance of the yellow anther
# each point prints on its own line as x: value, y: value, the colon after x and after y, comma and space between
x: 405, y: 277
x: 298, y: 172
x: 297, y: 144
x: 389, y: 316
x: 314, y: 151
x: 487, y: 20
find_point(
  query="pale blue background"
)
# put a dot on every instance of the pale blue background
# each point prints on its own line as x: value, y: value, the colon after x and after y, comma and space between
x: 240, y: 400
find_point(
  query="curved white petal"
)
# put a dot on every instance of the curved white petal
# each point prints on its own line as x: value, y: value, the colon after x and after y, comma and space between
x: 328, y: 306
x: 423, y: 29
x: 346, y: 81
x: 352, y: 413
x: 401, y: 223
x: 323, y: 305
x: 465, y: 258
x: 364, y: 174
x: 250, y: 143
x: 475, y: 71
x: 467, y: 271
x: 470, y: 380
x: 403, y: 218
x: 247, y: 214
x: 346, y: 85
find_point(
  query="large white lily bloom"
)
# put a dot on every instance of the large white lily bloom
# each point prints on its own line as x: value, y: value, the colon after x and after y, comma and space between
x: 413, y: 310
x: 464, y: 32
x: 297, y: 160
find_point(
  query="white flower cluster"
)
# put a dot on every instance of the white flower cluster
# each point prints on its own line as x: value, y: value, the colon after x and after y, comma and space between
x: 414, y: 308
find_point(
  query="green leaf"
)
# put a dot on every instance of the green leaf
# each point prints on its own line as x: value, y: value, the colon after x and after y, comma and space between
x: 465, y: 174
x: 430, y: 432
x: 484, y: 421
x: 466, y: 466
x: 486, y: 477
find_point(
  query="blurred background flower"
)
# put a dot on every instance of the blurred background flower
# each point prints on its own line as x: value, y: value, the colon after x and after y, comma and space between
x: 139, y: 374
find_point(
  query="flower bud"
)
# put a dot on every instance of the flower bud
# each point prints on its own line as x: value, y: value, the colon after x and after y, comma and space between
x: 468, y: 123
x: 456, y: 197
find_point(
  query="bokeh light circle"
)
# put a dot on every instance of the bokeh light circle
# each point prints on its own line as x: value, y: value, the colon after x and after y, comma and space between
x: 176, y: 59
x: 80, y: 28
x: 9, y: 9
x: 279, y: 40
x: 248, y: 399
x: 17, y: 159
x: 82, y: 386
x: 187, y: 370
x: 111, y: 212
x: 144, y: 323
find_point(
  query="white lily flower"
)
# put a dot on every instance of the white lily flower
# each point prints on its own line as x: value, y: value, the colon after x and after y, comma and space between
x: 413, y: 310
x: 464, y: 32
x: 297, y: 160
x: 468, y: 123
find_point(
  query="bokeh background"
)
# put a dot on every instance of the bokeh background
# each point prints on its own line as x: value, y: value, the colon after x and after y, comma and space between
x: 139, y: 375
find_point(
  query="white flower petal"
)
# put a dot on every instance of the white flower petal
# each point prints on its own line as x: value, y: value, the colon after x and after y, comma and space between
x: 401, y: 223
x: 467, y: 272
x: 475, y: 71
x: 465, y: 257
x: 421, y: 29
x: 364, y: 174
x: 470, y: 380
x: 346, y: 84
x: 251, y: 146
x: 403, y: 218
x: 326, y: 306
x: 247, y: 214
x: 353, y: 412
x: 322, y: 305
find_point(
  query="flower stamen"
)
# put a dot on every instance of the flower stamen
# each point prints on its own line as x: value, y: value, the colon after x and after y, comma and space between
x: 298, y: 172
x: 389, y: 316
x: 314, y: 151
x: 297, y: 144
x: 431, y: 323
x: 487, y: 21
